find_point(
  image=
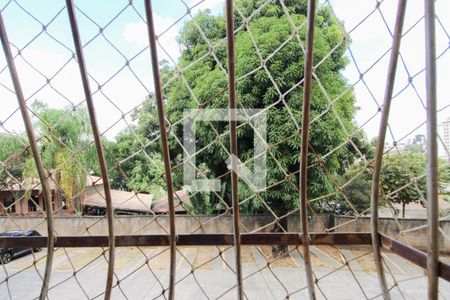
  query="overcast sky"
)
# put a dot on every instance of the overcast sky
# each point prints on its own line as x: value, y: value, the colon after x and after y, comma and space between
x: 47, y: 55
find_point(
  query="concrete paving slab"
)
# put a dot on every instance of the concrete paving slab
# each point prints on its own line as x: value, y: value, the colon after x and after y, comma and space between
x: 392, y: 265
x: 350, y: 258
x: 274, y: 283
x: 324, y: 257
x: 80, y: 259
x: 138, y: 258
x: 298, y: 259
x: 404, y: 265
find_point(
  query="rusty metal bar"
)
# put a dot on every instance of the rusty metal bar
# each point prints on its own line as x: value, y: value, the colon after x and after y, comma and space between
x: 374, y: 203
x: 409, y: 253
x: 36, y: 155
x: 416, y: 256
x: 432, y: 152
x: 199, y: 239
x: 164, y: 143
x: 304, y: 146
x: 98, y: 145
x: 233, y: 145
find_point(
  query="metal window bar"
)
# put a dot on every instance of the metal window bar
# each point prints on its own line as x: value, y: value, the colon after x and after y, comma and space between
x: 432, y: 152
x: 36, y: 156
x: 233, y: 145
x: 380, y: 146
x: 164, y: 143
x: 304, y: 145
x: 98, y: 146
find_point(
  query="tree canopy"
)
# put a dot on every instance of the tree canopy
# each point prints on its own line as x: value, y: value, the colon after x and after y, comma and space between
x: 402, y: 179
x: 64, y: 144
x: 12, y: 156
x: 270, y: 75
x: 137, y: 164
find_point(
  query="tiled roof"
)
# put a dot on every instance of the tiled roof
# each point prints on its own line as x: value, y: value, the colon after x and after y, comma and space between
x: 121, y: 200
x: 138, y: 202
x: 35, y: 184
x: 162, y: 205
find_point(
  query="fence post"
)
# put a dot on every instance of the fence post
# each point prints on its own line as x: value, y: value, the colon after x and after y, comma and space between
x: 432, y: 152
x: 98, y: 145
x: 164, y: 143
x: 233, y: 144
x: 304, y: 146
x: 374, y: 226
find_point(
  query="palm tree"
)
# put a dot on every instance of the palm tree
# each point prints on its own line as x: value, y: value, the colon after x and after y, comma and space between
x: 65, y: 137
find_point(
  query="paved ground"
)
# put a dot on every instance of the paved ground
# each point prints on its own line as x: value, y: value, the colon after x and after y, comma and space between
x: 142, y: 273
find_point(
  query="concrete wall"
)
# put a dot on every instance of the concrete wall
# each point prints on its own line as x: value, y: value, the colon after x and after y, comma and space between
x: 392, y: 227
x: 125, y: 225
x: 150, y: 225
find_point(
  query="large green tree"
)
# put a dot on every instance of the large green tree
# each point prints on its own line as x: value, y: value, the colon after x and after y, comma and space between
x: 274, y: 66
x: 398, y: 172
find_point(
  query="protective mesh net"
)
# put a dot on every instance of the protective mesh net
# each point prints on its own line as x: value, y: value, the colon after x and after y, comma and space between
x: 352, y: 48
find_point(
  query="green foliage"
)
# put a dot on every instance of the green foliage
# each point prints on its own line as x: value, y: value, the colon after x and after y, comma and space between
x: 65, y: 127
x: 145, y: 174
x: 10, y: 146
x: 205, y: 202
x: 29, y: 171
x: 12, y: 156
x: 202, y: 203
x: 357, y: 183
x: 444, y: 172
x: 190, y: 37
x: 63, y: 147
x: 208, y: 84
x: 397, y: 173
x: 65, y: 136
x: 141, y: 165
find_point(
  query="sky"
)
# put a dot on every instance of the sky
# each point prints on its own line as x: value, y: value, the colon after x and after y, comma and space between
x: 124, y: 39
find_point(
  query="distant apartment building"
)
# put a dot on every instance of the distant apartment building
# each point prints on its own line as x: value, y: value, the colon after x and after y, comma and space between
x: 444, y: 132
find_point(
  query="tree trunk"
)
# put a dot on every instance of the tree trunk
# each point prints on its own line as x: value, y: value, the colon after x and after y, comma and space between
x: 21, y: 204
x: 403, y: 210
x: 59, y: 194
x: 281, y: 226
x: 60, y: 202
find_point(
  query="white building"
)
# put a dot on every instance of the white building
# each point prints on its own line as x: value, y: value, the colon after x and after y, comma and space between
x: 444, y: 133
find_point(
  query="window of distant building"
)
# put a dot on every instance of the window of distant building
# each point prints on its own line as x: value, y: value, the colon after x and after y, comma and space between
x: 44, y: 207
x: 10, y: 205
x: 64, y: 203
x: 33, y: 203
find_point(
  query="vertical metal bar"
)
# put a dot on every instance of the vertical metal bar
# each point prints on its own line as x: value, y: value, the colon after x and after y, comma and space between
x: 432, y: 152
x: 304, y: 146
x: 233, y: 144
x: 37, y: 158
x: 98, y: 145
x: 401, y: 8
x: 164, y: 143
